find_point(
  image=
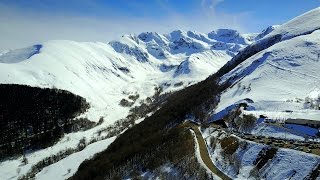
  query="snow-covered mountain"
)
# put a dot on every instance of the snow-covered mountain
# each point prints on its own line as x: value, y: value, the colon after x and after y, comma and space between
x: 282, y: 70
x: 103, y: 72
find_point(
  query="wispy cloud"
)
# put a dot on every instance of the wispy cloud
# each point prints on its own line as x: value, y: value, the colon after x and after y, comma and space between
x: 210, y: 6
x: 20, y: 27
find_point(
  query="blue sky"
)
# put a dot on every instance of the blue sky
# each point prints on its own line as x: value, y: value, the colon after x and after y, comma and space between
x: 25, y: 22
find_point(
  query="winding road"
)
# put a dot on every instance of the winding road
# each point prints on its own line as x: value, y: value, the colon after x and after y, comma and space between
x: 205, y: 155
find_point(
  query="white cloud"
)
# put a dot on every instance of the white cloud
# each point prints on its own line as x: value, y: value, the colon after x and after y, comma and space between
x: 210, y: 5
x: 20, y: 28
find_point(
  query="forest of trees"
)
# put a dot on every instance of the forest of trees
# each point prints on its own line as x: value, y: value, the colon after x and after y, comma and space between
x: 32, y: 118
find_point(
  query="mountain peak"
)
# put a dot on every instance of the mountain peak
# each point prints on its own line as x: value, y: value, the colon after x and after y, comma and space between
x: 176, y: 35
x: 228, y: 36
x: 148, y: 36
x: 266, y: 31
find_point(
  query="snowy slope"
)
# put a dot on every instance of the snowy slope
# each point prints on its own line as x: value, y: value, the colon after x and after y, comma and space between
x: 68, y: 166
x: 280, y: 77
x: 105, y: 73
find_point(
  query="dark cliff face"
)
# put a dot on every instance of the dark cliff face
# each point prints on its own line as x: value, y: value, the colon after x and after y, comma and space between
x: 33, y: 118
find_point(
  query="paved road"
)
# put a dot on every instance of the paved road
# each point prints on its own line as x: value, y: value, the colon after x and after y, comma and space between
x: 205, y: 155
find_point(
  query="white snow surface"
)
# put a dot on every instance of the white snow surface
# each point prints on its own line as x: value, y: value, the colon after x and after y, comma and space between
x: 290, y: 164
x: 68, y: 166
x: 281, y: 76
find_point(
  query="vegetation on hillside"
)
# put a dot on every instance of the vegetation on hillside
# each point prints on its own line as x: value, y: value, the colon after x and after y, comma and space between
x: 33, y: 118
x: 264, y: 156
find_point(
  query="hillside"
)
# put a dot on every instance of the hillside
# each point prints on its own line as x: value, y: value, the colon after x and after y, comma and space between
x: 283, y: 77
